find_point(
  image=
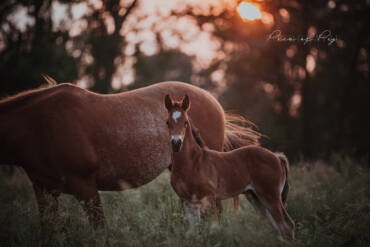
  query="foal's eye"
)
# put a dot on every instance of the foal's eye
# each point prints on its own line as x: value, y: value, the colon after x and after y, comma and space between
x: 167, y: 122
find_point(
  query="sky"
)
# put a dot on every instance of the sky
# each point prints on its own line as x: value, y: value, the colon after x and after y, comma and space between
x: 197, y: 42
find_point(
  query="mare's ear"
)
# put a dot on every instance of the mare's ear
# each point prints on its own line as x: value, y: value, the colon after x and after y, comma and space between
x: 185, y: 105
x: 168, y: 102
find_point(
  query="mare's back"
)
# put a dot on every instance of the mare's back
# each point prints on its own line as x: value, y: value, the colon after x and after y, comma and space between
x: 37, y: 113
x: 41, y: 99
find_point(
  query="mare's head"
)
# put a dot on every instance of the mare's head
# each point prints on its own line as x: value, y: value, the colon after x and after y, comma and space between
x: 177, y: 121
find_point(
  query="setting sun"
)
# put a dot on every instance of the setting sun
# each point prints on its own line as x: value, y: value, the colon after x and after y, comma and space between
x: 249, y: 11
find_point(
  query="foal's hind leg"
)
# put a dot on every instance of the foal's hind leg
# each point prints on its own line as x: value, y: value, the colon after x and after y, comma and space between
x: 274, y: 211
x: 288, y: 224
x: 278, y: 216
x: 259, y: 206
x: 256, y: 203
x: 282, y: 219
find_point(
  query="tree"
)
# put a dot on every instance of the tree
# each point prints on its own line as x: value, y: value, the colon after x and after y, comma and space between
x: 308, y: 97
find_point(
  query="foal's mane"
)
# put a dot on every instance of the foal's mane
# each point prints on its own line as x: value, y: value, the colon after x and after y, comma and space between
x: 199, y: 140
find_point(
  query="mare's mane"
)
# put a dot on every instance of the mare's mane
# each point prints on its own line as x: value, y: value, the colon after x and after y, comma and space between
x: 199, y: 140
x: 24, y: 95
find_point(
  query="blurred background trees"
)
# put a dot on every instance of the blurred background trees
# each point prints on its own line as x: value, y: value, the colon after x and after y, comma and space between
x: 311, y: 98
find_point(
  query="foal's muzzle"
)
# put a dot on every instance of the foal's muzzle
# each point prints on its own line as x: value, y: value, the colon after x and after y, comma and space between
x: 176, y: 142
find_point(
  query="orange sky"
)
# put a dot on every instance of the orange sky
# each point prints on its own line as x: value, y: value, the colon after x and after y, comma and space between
x: 198, y: 41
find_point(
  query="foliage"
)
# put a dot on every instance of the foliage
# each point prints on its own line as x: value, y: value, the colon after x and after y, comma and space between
x: 330, y: 208
x: 313, y: 111
x: 310, y: 98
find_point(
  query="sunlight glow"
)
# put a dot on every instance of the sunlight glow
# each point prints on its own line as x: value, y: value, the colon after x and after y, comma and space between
x: 249, y: 11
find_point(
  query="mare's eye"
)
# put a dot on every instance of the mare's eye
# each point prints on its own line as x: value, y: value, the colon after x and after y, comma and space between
x: 167, y: 122
x: 186, y: 124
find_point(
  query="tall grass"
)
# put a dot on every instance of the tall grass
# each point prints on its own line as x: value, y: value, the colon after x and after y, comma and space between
x: 330, y: 205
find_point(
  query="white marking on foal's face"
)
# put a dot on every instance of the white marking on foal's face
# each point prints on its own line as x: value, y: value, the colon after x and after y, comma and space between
x: 177, y: 138
x: 176, y: 115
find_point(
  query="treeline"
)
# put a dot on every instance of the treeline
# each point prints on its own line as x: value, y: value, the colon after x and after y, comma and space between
x: 301, y: 73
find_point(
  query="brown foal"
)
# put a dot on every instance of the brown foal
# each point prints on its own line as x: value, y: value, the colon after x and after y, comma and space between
x: 201, y: 176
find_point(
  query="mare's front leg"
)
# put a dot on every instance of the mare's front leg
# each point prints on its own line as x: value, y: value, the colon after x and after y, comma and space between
x: 86, y: 192
x: 47, y: 201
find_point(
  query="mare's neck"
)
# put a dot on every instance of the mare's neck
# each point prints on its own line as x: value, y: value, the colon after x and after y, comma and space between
x: 184, y: 160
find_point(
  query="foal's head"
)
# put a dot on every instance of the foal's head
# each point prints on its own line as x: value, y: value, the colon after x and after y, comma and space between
x: 177, y: 120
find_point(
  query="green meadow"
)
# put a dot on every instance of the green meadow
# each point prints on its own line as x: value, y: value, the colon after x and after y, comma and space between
x: 329, y: 202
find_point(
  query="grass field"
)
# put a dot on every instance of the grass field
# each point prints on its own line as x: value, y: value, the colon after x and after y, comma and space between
x: 330, y: 205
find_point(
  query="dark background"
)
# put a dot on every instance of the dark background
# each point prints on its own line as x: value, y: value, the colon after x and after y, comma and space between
x: 312, y: 100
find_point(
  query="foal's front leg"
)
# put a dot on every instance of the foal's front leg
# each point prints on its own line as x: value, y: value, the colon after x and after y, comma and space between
x: 192, y: 212
x: 210, y: 207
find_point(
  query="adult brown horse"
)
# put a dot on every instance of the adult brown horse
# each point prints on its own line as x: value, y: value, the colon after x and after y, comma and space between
x: 201, y: 176
x: 70, y: 140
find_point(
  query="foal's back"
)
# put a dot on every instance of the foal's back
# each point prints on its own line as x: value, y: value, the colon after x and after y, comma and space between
x: 240, y: 168
x: 251, y: 157
x: 262, y: 164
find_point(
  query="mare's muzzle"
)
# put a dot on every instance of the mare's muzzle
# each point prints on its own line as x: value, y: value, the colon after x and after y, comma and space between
x: 176, y: 142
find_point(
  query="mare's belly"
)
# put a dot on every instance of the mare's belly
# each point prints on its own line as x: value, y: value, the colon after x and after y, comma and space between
x: 138, y: 151
x: 133, y: 169
x: 135, y: 173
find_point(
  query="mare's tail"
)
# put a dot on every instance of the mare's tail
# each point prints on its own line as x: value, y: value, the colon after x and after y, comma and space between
x: 239, y: 132
x: 285, y: 164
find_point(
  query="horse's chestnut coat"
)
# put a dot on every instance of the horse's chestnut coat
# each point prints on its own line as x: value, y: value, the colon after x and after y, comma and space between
x: 71, y: 140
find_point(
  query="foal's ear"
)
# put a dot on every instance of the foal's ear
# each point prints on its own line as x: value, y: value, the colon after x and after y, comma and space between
x: 185, y: 105
x: 168, y: 102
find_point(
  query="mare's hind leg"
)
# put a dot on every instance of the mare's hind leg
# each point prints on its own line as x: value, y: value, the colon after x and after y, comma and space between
x: 86, y: 192
x: 47, y: 201
x: 219, y: 207
x: 236, y: 204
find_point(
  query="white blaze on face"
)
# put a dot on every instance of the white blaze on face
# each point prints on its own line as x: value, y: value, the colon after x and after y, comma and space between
x: 177, y: 138
x: 176, y: 115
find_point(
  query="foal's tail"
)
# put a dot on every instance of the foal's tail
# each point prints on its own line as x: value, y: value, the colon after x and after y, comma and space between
x: 239, y: 132
x: 285, y: 163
